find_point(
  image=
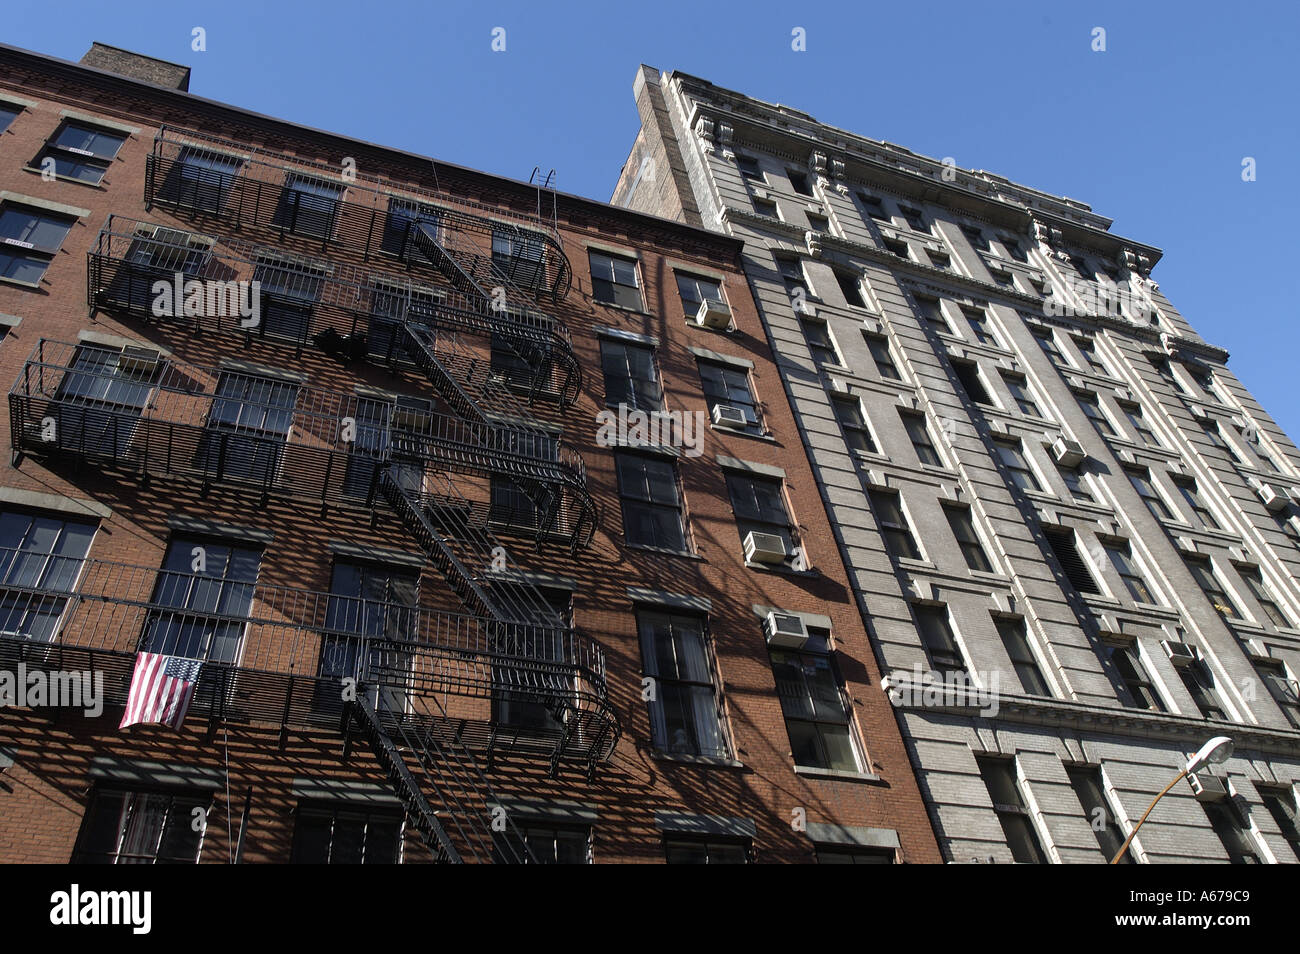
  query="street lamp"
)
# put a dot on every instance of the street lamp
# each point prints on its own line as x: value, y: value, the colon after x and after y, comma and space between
x: 1215, y: 752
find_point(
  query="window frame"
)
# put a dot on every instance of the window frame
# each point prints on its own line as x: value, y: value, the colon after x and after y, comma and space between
x: 612, y: 296
x: 657, y: 700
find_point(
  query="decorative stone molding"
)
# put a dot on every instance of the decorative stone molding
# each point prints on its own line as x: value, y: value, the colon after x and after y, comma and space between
x: 704, y: 129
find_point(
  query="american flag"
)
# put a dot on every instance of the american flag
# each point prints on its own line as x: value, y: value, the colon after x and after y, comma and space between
x: 162, y: 688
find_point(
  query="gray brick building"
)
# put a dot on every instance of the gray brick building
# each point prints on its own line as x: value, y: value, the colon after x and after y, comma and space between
x: 1040, y: 477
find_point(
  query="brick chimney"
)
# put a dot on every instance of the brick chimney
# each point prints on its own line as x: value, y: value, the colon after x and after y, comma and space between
x: 137, y: 66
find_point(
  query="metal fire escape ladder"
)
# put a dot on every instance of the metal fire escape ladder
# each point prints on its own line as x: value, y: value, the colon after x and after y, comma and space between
x: 423, y: 236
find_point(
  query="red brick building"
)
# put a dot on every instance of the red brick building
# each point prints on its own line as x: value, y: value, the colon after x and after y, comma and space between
x: 376, y: 468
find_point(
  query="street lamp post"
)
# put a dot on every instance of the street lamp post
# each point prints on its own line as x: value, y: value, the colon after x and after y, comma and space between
x: 1215, y: 752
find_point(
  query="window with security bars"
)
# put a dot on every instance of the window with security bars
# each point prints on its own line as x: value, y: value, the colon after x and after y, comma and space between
x: 41, y: 557
x: 614, y: 280
x: 247, y: 427
x: 201, y: 180
x: 201, y: 601
x: 129, y: 827
x: 1281, y: 804
x: 706, y: 851
x: 535, y: 695
x: 1214, y: 591
x: 1015, y: 640
x: 631, y: 377
x: 1254, y: 581
x: 290, y: 292
x: 405, y: 217
x: 683, y: 695
x: 963, y: 528
x: 386, y: 441
x: 848, y: 411
x: 344, y: 835
x: 1012, y: 456
x: 999, y: 776
x: 968, y: 376
x: 309, y: 205
x: 80, y: 151
x: 820, y: 342
x: 1091, y: 792
x: 936, y: 634
x: 1283, y: 686
x: 888, y: 507
x: 1121, y: 557
x: 652, y: 502
x: 1139, y: 691
x: 695, y: 290
x: 1066, y: 548
x: 728, y: 386
x: 759, y: 506
x: 1232, y: 832
x: 1192, y: 496
x: 29, y: 240
x: 919, y: 434
x: 1142, y: 483
x: 545, y: 844
x: 880, y: 354
x: 101, y: 398
x: 818, y: 718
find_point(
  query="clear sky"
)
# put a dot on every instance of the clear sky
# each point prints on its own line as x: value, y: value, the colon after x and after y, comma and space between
x: 1151, y: 132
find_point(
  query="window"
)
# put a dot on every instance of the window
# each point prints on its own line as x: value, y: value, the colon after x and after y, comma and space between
x: 844, y: 855
x: 1254, y: 581
x: 976, y: 237
x: 1092, y: 407
x: 748, y: 167
x: 759, y: 506
x: 932, y: 313
x: 290, y: 291
x: 652, y: 504
x: 799, y: 182
x: 1013, y: 459
x: 792, y: 274
x: 817, y: 715
x: 1015, y: 640
x: 1122, y: 559
x: 896, y: 247
x: 1163, y: 369
x: 346, y: 836
x: 728, y: 385
x: 1127, y: 665
x: 1187, y: 487
x: 695, y: 290
x: 308, y: 205
x: 1282, y: 686
x: 519, y: 256
x: 820, y: 342
x: 1074, y: 483
x: 201, y: 179
x: 369, y: 601
x: 939, y: 259
x: 699, y: 851
x: 101, y: 398
x: 766, y: 208
x: 1087, y: 347
x: 29, y: 240
x: 915, y: 220
x: 80, y: 151
x: 523, y: 698
x: 631, y: 377
x: 963, y: 528
x: 1000, y: 778
x: 888, y: 508
x: 1199, y: 682
x: 1001, y: 278
x: 1281, y: 804
x: 968, y: 376
x: 1088, y: 786
x: 1204, y: 379
x: 1018, y: 386
x: 848, y: 411
x: 685, y: 705
x: 851, y: 289
x: 1135, y: 419
x: 1141, y: 480
x: 614, y: 281
x: 523, y: 367
x: 1080, y: 266
x: 1215, y: 437
x: 978, y: 320
x: 201, y: 601
x: 818, y: 223
x: 1232, y: 833
x: 1209, y: 584
x: 41, y: 552
x: 875, y: 207
x: 1014, y: 249
x: 379, y: 444
x: 123, y: 827
x: 8, y: 113
x: 546, y: 844
x: 1047, y: 341
x: 1063, y: 544
x: 937, y: 636
x: 919, y: 434
x: 404, y: 217
x: 247, y: 427
x: 880, y: 354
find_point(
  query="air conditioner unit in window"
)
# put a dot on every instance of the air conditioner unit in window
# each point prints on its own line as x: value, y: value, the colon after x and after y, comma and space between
x: 713, y: 314
x: 1207, y: 787
x: 765, y: 548
x: 1273, y: 499
x: 1068, y: 453
x: 1180, y: 654
x: 141, y: 362
x: 724, y: 415
x: 785, y: 630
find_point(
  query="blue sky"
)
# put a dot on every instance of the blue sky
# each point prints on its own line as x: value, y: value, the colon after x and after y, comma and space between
x: 1151, y: 132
